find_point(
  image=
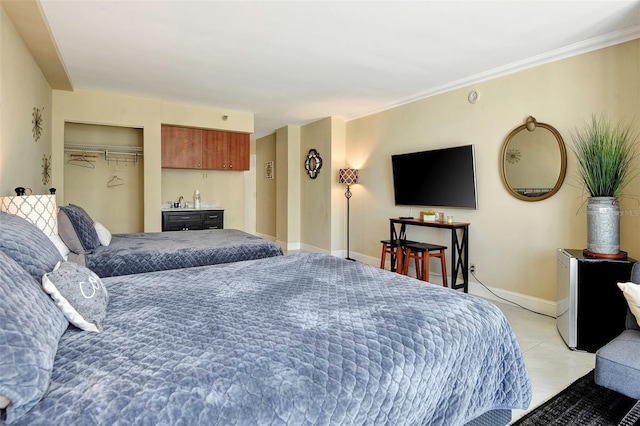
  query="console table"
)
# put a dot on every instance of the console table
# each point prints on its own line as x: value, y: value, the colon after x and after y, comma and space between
x: 459, y: 245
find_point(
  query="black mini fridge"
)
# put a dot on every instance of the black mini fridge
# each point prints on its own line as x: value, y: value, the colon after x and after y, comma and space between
x: 591, y: 309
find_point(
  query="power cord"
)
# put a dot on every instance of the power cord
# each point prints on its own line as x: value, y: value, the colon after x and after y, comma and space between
x: 473, y: 274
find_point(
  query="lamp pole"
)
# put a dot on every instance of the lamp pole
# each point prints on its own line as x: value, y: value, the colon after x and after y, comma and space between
x: 347, y: 194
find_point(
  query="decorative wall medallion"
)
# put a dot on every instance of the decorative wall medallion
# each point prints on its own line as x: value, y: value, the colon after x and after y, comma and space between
x: 513, y: 156
x: 313, y: 163
x: 46, y: 169
x: 37, y: 123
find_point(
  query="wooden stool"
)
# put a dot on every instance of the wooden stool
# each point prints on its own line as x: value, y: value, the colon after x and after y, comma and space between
x: 421, y: 253
x: 391, y: 247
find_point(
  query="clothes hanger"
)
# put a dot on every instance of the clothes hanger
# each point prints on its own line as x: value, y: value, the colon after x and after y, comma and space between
x: 115, y: 181
x: 81, y: 160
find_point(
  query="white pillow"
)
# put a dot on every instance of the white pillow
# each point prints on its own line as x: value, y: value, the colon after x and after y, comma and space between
x: 631, y: 292
x: 60, y: 245
x: 4, y: 402
x: 79, y: 293
x: 103, y: 234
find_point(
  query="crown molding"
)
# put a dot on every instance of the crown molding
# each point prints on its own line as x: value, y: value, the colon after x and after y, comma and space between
x: 586, y: 46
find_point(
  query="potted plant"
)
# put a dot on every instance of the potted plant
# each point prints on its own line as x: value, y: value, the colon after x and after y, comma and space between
x: 606, y: 154
x: 428, y: 215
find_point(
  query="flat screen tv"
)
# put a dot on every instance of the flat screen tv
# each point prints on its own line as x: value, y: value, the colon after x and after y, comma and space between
x: 440, y: 177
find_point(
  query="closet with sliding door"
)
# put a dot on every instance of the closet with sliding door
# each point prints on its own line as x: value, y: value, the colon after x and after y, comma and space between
x: 104, y: 174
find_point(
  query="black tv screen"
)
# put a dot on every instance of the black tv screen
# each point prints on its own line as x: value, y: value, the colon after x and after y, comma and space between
x: 440, y: 177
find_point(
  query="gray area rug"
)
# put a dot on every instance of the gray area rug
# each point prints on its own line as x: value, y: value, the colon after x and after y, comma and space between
x: 585, y: 403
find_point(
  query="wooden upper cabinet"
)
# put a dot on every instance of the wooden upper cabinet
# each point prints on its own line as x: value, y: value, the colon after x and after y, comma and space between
x: 189, y: 148
x: 239, y: 151
x: 225, y: 150
x: 215, y: 149
x: 181, y: 147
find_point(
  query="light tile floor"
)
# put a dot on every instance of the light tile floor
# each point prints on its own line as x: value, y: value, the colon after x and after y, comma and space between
x: 551, y: 365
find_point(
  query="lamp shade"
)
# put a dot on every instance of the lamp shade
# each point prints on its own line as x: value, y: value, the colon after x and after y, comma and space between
x: 38, y: 209
x: 348, y: 176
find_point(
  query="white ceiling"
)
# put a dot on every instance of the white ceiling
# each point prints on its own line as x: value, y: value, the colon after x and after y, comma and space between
x: 293, y: 62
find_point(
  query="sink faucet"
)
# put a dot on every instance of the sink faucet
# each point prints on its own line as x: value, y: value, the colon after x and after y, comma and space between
x: 180, y: 201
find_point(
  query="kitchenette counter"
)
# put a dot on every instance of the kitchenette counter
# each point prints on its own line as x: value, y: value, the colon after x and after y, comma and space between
x: 185, y: 219
x: 190, y: 209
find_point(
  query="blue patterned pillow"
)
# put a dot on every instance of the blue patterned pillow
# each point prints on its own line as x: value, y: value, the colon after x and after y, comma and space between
x: 31, y: 327
x: 26, y: 244
x: 76, y: 229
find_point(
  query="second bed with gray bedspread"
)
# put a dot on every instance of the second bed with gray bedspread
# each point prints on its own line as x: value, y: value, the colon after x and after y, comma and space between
x: 158, y: 251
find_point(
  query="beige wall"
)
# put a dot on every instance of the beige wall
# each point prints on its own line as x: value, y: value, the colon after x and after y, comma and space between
x: 513, y: 242
x: 85, y: 106
x: 288, y: 171
x: 22, y: 87
x: 338, y: 200
x: 315, y: 194
x: 318, y: 203
x: 265, y: 149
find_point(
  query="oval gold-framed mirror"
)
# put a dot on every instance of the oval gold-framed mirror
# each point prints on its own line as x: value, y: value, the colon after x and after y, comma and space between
x: 533, y: 161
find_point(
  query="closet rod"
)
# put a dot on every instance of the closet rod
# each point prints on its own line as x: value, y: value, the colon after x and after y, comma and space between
x: 105, y: 152
x: 102, y: 148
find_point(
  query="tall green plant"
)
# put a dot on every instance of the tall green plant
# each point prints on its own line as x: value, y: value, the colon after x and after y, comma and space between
x: 606, y: 153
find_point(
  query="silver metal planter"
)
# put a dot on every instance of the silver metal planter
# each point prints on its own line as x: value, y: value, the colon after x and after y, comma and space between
x: 603, y: 225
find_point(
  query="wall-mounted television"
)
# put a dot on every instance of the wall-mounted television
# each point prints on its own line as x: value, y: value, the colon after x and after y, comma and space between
x: 441, y: 177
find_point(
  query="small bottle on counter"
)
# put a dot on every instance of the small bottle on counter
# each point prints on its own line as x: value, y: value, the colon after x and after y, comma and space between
x: 196, y: 199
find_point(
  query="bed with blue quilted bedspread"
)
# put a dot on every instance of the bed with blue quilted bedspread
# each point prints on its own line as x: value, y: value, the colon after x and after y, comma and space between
x: 158, y: 251
x: 299, y: 339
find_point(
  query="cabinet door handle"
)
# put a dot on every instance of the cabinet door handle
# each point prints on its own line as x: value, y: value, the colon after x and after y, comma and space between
x: 224, y: 166
x: 185, y: 217
x: 231, y: 166
x: 213, y: 227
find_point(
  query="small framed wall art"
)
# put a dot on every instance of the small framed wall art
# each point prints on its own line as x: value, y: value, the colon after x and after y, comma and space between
x: 268, y: 170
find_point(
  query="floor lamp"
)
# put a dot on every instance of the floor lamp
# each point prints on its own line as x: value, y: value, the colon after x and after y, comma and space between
x: 348, y: 177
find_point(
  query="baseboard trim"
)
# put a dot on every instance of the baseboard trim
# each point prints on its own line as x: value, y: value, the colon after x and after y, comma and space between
x: 536, y: 304
x: 265, y: 236
x: 312, y: 249
x: 543, y: 306
x: 288, y: 246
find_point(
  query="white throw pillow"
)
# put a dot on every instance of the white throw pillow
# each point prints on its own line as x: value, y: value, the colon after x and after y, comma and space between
x: 60, y: 245
x: 631, y: 292
x: 103, y: 234
x: 79, y: 293
x: 4, y: 402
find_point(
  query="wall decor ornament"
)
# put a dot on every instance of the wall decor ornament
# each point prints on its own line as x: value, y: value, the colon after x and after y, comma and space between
x: 513, y: 156
x: 37, y: 123
x: 533, y: 161
x: 46, y: 169
x: 268, y: 170
x: 313, y: 163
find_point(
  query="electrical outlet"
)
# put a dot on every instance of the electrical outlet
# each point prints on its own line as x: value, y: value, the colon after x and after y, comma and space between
x: 472, y: 268
x: 205, y: 176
